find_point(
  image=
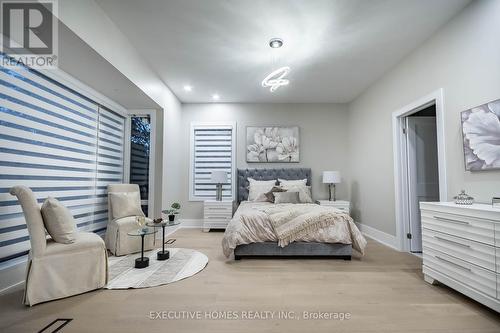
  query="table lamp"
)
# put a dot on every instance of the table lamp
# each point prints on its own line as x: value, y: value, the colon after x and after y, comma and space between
x: 219, y: 177
x: 331, y: 178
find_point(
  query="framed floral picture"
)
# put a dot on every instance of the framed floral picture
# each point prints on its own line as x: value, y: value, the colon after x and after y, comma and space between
x: 273, y: 144
x: 481, y: 135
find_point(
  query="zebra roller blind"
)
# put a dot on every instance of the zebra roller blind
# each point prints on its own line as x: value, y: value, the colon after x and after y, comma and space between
x: 59, y: 143
x: 212, y: 148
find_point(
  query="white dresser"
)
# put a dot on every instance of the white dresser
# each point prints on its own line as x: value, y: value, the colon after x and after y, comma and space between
x: 216, y: 214
x: 461, y: 249
x: 339, y: 204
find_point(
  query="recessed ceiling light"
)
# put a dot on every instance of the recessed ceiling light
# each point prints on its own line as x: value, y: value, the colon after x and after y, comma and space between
x: 215, y: 97
x: 187, y: 87
x: 276, y: 43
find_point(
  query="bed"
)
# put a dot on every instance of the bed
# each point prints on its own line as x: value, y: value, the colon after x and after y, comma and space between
x: 260, y: 241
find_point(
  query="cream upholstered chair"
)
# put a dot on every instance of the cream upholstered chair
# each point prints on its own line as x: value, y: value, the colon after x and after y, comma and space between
x: 117, y: 240
x: 57, y: 270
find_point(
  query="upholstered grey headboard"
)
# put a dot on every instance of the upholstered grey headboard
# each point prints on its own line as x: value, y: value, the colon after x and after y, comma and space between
x: 268, y: 174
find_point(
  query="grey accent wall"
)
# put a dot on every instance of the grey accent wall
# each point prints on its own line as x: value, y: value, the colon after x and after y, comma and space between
x: 463, y: 58
x: 323, y: 140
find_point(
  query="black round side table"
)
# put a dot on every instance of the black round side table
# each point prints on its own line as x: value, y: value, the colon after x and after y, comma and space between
x: 142, y: 262
x: 163, y: 254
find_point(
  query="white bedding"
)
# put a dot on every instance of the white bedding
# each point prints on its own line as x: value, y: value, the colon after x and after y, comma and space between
x: 259, y: 229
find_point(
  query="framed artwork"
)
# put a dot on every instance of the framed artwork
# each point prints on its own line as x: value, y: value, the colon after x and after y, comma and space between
x: 273, y: 144
x: 481, y: 137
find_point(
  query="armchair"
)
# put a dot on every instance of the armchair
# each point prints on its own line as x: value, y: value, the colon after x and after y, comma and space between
x: 56, y: 270
x: 117, y: 240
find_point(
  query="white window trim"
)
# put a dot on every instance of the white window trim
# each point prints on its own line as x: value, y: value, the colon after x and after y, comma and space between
x: 192, y: 197
x: 152, y: 154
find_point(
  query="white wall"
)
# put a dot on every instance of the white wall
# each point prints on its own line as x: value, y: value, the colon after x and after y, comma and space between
x: 463, y: 58
x: 323, y: 140
x: 91, y: 24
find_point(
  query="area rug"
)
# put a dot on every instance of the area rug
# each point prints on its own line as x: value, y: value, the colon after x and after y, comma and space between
x: 182, y: 263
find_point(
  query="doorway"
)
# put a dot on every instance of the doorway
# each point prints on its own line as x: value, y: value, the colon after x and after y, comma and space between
x: 422, y: 169
x: 419, y: 163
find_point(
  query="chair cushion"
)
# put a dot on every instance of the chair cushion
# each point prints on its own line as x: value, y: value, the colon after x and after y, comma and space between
x: 82, y: 241
x: 58, y: 221
x: 125, y: 204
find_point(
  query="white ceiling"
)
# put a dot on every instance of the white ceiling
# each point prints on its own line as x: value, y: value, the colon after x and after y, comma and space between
x: 335, y: 48
x: 80, y: 60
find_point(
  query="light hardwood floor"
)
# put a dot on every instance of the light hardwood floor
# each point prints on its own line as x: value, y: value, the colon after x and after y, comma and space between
x: 384, y: 292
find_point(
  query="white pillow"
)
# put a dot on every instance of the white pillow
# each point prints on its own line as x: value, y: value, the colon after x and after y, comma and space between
x: 125, y: 204
x: 262, y: 197
x: 257, y: 187
x: 58, y: 221
x: 305, y: 195
x: 299, y: 182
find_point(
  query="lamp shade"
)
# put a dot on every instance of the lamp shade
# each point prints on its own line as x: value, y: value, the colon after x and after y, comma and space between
x: 218, y: 177
x: 331, y: 177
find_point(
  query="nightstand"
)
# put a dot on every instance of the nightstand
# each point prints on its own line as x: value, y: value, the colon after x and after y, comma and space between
x: 216, y: 214
x: 339, y: 204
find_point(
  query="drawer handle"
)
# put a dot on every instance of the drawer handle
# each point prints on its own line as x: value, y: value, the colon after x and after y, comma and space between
x: 451, y: 241
x: 454, y: 264
x: 451, y: 220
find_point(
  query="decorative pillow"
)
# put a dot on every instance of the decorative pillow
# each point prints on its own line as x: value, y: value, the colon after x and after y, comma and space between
x: 261, y: 198
x: 259, y: 186
x: 58, y: 221
x: 286, y: 183
x: 270, y: 195
x: 286, y: 197
x: 304, y: 193
x: 125, y: 204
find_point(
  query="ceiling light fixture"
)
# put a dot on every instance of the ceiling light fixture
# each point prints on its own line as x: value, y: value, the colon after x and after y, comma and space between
x: 276, y: 79
x: 188, y: 88
x: 215, y: 97
x: 276, y: 43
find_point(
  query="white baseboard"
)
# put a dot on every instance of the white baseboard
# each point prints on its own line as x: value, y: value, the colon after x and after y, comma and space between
x: 379, y: 236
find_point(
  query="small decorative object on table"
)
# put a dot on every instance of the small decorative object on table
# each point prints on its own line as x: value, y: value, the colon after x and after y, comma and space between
x: 463, y: 199
x: 174, y: 210
x: 495, y: 202
x: 141, y: 221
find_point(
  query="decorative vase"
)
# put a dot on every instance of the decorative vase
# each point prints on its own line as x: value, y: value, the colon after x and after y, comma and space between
x: 171, y: 218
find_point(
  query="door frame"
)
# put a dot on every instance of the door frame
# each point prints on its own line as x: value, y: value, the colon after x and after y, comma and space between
x: 401, y: 163
x: 152, y: 154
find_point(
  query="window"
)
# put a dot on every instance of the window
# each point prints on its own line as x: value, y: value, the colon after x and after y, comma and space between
x: 212, y: 148
x: 140, y: 155
x: 59, y: 143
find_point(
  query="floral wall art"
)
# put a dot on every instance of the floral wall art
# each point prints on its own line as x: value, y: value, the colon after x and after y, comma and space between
x: 481, y: 134
x: 273, y: 144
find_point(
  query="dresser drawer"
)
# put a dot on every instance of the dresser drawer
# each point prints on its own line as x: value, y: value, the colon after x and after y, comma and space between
x: 474, y: 277
x: 218, y: 204
x: 217, y: 217
x: 476, y: 229
x: 467, y: 250
x: 217, y: 210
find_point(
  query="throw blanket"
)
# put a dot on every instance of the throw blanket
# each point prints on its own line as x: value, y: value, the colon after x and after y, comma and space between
x: 290, y: 224
x: 256, y: 222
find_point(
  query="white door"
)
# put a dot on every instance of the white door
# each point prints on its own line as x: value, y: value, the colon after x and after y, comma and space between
x: 423, y: 175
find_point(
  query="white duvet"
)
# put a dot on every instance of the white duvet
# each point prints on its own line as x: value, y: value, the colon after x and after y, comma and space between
x: 256, y: 227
